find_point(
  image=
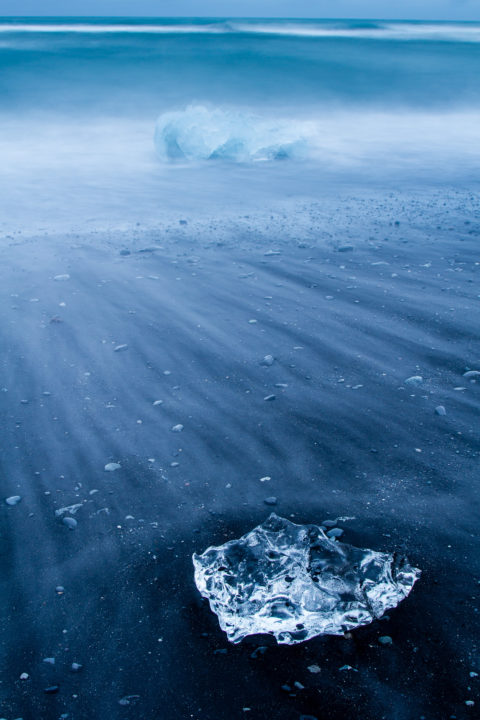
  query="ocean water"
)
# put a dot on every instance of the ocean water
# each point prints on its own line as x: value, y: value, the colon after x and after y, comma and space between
x: 239, y: 272
x: 94, y: 112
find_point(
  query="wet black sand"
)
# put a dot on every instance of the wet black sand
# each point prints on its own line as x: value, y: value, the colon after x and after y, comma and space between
x: 348, y: 317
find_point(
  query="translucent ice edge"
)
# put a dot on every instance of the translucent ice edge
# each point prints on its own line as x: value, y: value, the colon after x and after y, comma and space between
x: 202, y: 133
x: 293, y: 582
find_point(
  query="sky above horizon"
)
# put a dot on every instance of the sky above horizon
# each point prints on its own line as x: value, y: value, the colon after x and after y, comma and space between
x: 380, y: 9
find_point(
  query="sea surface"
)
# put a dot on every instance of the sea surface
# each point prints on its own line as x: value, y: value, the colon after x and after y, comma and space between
x: 180, y: 199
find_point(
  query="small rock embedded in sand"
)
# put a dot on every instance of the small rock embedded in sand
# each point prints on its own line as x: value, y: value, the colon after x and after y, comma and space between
x: 65, y: 276
x: 76, y: 667
x: 252, y: 321
x: 472, y: 374
x: 385, y: 640
x: 269, y: 398
x: 157, y: 402
x: 329, y: 523
x: 111, y: 467
x: 414, y: 380
x: 268, y: 360
x: 24, y: 676
x: 13, y: 500
x: 70, y: 522
x: 120, y: 348
x: 270, y: 500
x: 60, y: 590
x: 49, y: 660
x: 51, y: 690
x: 265, y: 479
x: 335, y: 533
x: 314, y: 669
x: 177, y: 428
x: 440, y: 410
x: 469, y: 703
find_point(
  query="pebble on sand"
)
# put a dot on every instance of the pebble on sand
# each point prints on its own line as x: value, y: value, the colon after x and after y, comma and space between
x: 329, y: 523
x: 335, y: 533
x: 70, y: 522
x: 24, y: 676
x: 111, y: 467
x: 471, y: 374
x: 270, y: 500
x: 414, y: 380
x: 177, y: 428
x: 268, y: 360
x: 65, y: 276
x: 269, y: 398
x: 385, y: 640
x: 13, y: 500
x: 119, y: 348
x: 440, y: 410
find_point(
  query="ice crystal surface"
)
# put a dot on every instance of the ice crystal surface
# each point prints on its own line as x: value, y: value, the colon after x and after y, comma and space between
x: 293, y: 582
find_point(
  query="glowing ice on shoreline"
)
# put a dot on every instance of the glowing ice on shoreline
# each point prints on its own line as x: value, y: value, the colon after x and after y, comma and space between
x: 293, y: 582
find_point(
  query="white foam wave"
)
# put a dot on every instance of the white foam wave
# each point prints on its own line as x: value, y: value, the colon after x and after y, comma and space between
x: 446, y: 32
x: 111, y: 29
x: 201, y: 133
x: 385, y: 31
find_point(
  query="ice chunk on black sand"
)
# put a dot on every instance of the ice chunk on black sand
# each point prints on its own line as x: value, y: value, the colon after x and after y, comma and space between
x: 293, y: 582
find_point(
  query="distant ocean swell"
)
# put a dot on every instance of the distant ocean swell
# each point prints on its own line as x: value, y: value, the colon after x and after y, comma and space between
x: 467, y: 32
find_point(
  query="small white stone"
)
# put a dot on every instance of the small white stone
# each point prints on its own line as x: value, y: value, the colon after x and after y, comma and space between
x: 414, y: 380
x: 13, y: 500
x: 177, y: 428
x: 111, y: 467
x: 65, y: 276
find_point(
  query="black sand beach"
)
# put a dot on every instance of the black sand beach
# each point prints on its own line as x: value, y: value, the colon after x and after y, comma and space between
x: 374, y: 292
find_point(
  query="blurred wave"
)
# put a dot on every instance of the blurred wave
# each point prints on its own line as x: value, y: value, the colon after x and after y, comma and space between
x: 453, y: 32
